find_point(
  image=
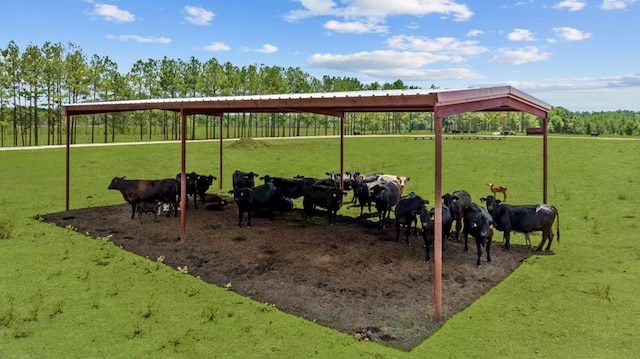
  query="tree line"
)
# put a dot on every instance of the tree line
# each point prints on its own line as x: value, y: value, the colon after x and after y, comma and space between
x: 36, y: 81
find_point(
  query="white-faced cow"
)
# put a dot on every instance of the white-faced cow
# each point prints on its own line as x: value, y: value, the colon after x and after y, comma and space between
x: 524, y: 219
x: 401, y: 181
x: 479, y: 224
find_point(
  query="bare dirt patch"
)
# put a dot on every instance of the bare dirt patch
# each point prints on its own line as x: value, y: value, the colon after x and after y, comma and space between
x: 351, y: 276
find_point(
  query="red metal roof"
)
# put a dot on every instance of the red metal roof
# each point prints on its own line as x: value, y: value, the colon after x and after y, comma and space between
x: 446, y: 102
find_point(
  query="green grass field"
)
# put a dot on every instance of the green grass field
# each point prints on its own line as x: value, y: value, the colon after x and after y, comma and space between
x: 67, y: 295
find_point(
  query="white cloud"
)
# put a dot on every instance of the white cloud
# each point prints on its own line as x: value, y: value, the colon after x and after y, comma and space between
x: 112, y: 13
x: 198, y: 15
x: 571, y: 34
x: 391, y: 64
x: 444, y: 45
x: 474, y: 33
x: 266, y: 49
x: 354, y: 27
x: 616, y: 4
x: 216, y: 47
x: 380, y: 9
x: 520, y: 56
x: 572, y: 5
x: 140, y: 39
x: 521, y: 35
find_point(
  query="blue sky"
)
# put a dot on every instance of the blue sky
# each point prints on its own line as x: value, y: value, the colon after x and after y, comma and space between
x: 579, y: 54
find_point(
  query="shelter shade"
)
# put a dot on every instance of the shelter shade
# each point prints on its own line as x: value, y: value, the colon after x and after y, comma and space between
x: 440, y: 102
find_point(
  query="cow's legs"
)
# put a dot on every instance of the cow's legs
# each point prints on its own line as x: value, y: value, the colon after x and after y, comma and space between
x: 527, y: 240
x: 488, y: 248
x: 507, y: 239
x: 479, y: 246
x: 426, y: 248
x: 133, y: 209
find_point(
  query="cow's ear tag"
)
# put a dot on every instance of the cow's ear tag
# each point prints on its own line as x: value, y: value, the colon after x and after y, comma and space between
x: 433, y: 218
x: 455, y: 200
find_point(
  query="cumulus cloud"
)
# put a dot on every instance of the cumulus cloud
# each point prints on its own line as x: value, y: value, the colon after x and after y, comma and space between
x: 474, y: 33
x: 112, y: 13
x: 265, y: 49
x: 140, y: 39
x: 616, y: 4
x: 198, y: 15
x: 379, y: 10
x: 392, y: 64
x: 520, y: 56
x: 571, y: 34
x: 571, y: 5
x: 357, y: 27
x: 521, y: 35
x: 443, y: 45
x: 216, y: 47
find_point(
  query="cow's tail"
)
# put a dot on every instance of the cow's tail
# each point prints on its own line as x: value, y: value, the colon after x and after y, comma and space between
x: 557, y: 223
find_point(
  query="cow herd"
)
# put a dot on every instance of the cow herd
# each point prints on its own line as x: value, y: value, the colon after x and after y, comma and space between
x: 384, y: 191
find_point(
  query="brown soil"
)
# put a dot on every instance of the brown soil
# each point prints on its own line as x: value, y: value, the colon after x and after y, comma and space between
x: 351, y: 276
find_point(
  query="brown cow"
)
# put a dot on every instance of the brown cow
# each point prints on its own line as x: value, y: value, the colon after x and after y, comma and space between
x: 497, y: 188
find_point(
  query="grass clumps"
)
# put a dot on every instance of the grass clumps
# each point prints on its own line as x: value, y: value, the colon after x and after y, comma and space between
x: 5, y: 230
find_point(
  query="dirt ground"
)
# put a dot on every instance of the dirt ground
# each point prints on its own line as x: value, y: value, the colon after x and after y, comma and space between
x: 351, y: 276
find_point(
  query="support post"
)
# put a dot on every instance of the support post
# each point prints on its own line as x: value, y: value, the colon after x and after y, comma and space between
x: 220, y: 175
x: 437, y: 231
x: 545, y: 122
x: 66, y: 203
x: 183, y: 178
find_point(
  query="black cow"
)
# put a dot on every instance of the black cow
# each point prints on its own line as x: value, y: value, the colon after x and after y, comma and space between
x: 192, y: 187
x: 135, y: 191
x: 363, y: 195
x: 524, y: 219
x: 203, y: 183
x: 479, y: 224
x: 148, y: 207
x: 457, y: 203
x: 358, y: 181
x: 385, y: 195
x: 428, y: 229
x: 243, y: 179
x: 288, y: 187
x: 327, y: 197
x: 407, y: 211
x: 250, y: 199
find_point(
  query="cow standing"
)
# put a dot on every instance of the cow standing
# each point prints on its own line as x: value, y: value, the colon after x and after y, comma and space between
x: 457, y: 202
x: 328, y: 197
x: 524, y: 219
x: 202, y: 184
x: 242, y: 179
x: 135, y: 191
x: 250, y: 199
x: 407, y: 211
x: 479, y: 224
x: 192, y: 187
x: 148, y: 207
x: 385, y: 195
x: 428, y: 229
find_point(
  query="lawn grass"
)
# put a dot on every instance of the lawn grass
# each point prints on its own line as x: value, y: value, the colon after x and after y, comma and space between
x: 63, y: 294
